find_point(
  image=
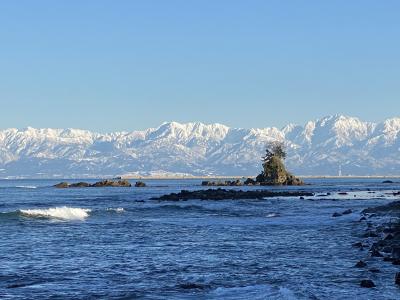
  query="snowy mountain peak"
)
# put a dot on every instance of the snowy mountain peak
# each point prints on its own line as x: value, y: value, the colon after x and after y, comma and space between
x: 317, y: 148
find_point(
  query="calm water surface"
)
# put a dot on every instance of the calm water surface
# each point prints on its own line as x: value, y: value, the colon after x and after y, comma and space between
x: 115, y: 243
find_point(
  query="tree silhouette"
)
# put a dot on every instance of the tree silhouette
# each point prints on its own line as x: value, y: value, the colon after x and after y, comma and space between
x: 276, y: 149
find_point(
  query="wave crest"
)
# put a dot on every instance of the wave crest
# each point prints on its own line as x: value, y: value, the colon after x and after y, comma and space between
x: 62, y: 213
x: 26, y: 186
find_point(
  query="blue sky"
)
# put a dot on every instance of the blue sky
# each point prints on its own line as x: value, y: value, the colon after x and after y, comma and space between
x: 123, y: 65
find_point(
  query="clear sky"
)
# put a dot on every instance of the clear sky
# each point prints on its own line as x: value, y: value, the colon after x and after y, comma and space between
x: 124, y: 65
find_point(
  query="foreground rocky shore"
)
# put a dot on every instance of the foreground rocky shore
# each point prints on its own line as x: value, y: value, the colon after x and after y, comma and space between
x: 382, y: 239
x: 223, y: 194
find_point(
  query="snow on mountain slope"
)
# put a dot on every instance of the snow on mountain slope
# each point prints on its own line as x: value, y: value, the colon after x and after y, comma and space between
x: 319, y: 147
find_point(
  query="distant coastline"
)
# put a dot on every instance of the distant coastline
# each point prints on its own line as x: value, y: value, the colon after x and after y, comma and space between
x: 199, y: 177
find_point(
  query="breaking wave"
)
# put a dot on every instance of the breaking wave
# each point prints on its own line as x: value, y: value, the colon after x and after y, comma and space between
x: 273, y: 215
x: 61, y: 213
x: 26, y: 187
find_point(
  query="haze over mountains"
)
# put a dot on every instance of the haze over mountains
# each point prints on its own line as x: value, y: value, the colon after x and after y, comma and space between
x: 319, y: 147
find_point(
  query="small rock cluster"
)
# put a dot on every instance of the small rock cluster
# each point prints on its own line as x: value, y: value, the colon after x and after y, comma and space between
x: 103, y: 183
x: 222, y: 183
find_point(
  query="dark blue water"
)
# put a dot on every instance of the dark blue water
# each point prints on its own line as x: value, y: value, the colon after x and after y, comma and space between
x: 115, y: 243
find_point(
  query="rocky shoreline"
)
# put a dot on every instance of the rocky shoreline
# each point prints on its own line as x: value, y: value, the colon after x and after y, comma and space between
x: 223, y: 194
x: 381, y: 239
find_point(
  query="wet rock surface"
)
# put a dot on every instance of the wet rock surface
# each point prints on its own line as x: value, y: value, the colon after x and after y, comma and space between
x: 103, y: 183
x: 382, y: 239
x: 223, y: 194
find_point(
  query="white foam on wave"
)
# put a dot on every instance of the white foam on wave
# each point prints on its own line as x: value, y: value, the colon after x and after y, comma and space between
x: 118, y: 209
x: 26, y: 186
x: 62, y: 213
x: 273, y: 215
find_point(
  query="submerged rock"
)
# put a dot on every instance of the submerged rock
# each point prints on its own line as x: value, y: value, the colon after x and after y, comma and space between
x: 190, y: 286
x: 367, y: 283
x: 361, y: 264
x: 376, y: 253
x: 358, y: 245
x: 397, y: 278
x: 374, y: 270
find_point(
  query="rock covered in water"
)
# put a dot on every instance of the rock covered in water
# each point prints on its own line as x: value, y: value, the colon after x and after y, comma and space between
x: 367, y: 283
x: 397, y: 278
x: 103, y: 183
x: 361, y: 264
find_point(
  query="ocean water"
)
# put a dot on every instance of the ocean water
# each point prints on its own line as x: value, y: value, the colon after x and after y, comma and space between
x: 116, y: 243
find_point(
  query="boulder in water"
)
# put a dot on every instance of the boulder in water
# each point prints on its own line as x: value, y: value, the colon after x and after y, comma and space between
x: 140, y: 184
x: 397, y: 278
x: 361, y: 264
x: 367, y: 283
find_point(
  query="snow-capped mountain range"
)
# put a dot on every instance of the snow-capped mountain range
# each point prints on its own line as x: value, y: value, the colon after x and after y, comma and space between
x: 320, y: 147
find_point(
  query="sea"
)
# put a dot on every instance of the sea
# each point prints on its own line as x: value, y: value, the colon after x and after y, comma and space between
x: 117, y: 243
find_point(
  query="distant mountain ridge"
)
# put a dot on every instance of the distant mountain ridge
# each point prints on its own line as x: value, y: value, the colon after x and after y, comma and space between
x: 320, y: 147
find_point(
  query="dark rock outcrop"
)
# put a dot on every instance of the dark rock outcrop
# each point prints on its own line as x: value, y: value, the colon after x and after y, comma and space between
x: 397, y: 278
x: 79, y: 185
x: 367, y: 283
x: 250, y: 181
x: 103, y: 183
x: 140, y: 184
x: 222, y: 183
x: 361, y: 264
x: 222, y: 194
x: 111, y: 183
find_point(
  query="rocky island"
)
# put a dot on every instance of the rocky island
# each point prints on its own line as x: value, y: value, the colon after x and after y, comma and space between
x: 274, y: 171
x: 103, y: 183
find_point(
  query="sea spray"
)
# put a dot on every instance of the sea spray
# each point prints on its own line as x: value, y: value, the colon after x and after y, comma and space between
x: 62, y: 213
